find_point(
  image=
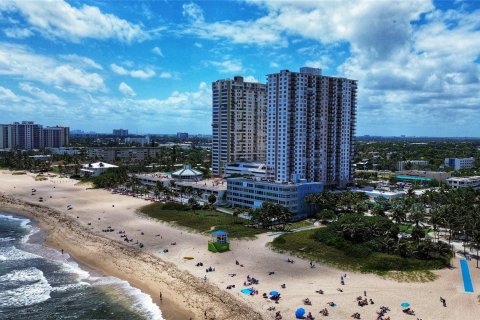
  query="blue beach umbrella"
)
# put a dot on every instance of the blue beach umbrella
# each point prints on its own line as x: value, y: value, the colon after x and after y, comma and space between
x: 274, y: 293
x: 300, y: 312
x: 405, y: 304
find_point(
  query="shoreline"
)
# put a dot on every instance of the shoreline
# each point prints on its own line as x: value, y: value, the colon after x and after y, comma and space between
x: 62, y: 232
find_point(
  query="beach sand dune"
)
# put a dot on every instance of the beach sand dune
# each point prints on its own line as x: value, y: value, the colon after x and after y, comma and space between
x: 185, y: 292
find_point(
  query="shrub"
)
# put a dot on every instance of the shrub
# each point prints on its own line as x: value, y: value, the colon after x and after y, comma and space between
x: 279, y: 240
x: 175, y: 206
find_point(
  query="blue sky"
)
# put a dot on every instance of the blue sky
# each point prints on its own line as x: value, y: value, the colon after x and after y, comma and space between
x: 148, y: 65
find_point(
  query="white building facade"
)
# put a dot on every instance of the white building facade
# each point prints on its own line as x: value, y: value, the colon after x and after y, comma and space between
x: 238, y: 122
x: 310, y: 127
x: 460, y: 163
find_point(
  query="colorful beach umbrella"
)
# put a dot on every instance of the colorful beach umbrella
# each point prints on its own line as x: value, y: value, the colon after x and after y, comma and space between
x: 405, y: 304
x: 274, y: 293
x: 300, y: 312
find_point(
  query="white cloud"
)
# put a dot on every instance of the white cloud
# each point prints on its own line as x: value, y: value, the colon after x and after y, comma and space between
x: 126, y: 90
x: 82, y: 61
x: 59, y: 19
x: 18, y: 33
x: 7, y: 94
x: 158, y: 51
x: 228, y: 66
x: 140, y: 74
x: 166, y: 75
x: 198, y: 45
x: 274, y: 65
x: 38, y: 93
x: 250, y: 79
x: 21, y: 62
x: 260, y: 31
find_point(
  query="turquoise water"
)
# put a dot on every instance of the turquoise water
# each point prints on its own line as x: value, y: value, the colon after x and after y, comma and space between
x: 41, y: 283
x: 467, y: 280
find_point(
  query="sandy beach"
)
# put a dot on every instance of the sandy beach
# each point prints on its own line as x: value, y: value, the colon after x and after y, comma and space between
x: 185, y: 292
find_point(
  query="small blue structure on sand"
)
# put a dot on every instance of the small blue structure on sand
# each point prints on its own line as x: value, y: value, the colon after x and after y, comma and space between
x: 219, y: 242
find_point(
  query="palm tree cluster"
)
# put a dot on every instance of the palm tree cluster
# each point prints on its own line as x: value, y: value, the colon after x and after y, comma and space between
x: 453, y: 211
x: 270, y: 214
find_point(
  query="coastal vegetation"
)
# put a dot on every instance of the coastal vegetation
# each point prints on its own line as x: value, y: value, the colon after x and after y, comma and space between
x: 396, y: 237
x: 201, y: 220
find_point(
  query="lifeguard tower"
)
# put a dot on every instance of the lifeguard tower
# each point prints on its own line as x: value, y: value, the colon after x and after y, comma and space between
x: 219, y: 242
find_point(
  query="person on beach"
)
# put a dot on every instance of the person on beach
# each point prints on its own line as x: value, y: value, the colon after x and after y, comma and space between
x: 160, y: 296
x: 62, y: 251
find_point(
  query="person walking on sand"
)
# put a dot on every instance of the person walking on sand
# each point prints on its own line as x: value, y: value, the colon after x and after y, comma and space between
x: 62, y: 251
x: 160, y: 296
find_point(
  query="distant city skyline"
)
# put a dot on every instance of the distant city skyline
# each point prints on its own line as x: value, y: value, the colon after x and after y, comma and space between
x: 148, y: 66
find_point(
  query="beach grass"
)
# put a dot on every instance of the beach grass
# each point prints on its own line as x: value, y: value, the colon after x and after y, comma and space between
x: 201, y: 220
x: 303, y: 244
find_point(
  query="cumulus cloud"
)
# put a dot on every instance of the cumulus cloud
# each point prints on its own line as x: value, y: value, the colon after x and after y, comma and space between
x: 126, y: 90
x: 59, y: 19
x: 40, y: 94
x: 19, y: 61
x: 140, y: 74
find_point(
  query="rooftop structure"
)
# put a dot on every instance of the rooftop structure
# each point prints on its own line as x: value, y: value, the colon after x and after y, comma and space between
x: 255, y: 169
x: 187, y: 174
x: 151, y: 179
x: 204, y: 188
x: 436, y: 175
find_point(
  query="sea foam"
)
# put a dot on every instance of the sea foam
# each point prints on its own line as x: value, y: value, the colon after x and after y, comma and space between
x: 31, y: 288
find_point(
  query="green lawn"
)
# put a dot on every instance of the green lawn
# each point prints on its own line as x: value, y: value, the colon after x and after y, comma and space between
x: 298, y: 224
x: 408, y: 229
x: 201, y: 220
x: 304, y: 245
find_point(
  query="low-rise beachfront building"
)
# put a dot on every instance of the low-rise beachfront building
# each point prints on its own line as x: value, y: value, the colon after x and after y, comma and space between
x: 255, y: 169
x: 464, y: 182
x: 374, y: 193
x: 251, y: 193
x: 151, y: 179
x: 204, y: 188
x: 95, y: 169
x: 435, y: 175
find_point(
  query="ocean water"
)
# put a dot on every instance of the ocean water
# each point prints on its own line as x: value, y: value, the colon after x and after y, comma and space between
x: 41, y: 283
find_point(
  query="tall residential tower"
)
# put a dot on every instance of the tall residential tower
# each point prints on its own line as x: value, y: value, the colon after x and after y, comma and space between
x: 311, y: 127
x: 239, y: 122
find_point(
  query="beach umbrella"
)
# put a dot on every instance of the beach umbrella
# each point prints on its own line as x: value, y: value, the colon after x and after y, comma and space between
x: 274, y: 293
x: 300, y: 312
x: 405, y: 304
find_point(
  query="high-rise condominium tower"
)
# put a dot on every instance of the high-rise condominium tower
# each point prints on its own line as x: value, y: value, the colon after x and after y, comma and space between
x: 239, y: 122
x: 311, y: 127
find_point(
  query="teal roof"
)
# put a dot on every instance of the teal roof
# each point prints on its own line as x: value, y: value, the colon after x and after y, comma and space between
x: 413, y: 178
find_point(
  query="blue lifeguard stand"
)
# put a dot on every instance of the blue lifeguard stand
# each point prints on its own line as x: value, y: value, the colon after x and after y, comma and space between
x: 219, y: 242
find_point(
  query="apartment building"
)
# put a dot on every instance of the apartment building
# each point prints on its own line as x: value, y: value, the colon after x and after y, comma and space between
x: 310, y: 127
x: 56, y: 137
x: 460, y: 163
x: 238, y: 122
